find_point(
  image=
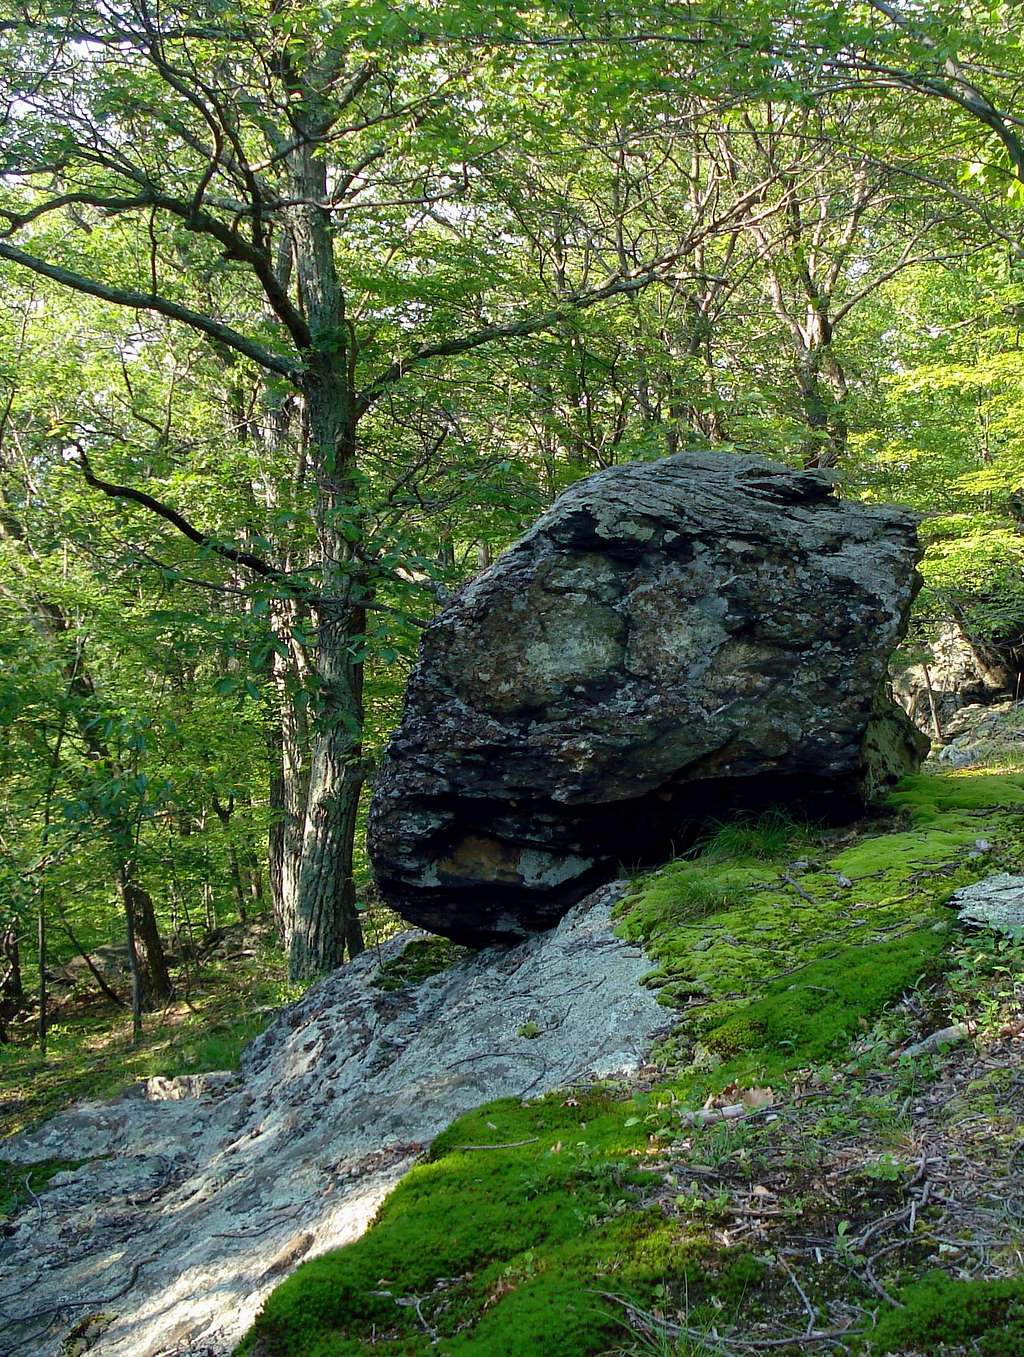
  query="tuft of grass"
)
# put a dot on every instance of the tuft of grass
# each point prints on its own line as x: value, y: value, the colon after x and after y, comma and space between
x: 683, y: 892
x: 770, y: 837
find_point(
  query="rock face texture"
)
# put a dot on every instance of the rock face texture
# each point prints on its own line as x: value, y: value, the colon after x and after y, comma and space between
x: 670, y: 641
x: 201, y: 1194
x: 982, y: 735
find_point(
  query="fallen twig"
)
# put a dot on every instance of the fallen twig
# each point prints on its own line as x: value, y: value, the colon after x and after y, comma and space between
x: 505, y: 1145
x: 28, y: 1189
x: 722, y: 1344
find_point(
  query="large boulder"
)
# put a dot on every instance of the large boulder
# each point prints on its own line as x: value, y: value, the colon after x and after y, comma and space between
x: 671, y: 641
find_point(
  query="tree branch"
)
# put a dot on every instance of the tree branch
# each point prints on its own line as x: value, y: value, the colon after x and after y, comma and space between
x: 244, y: 558
x: 968, y: 96
x: 148, y: 301
x: 529, y: 325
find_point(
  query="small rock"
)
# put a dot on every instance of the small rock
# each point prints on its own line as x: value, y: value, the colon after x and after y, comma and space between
x: 997, y: 903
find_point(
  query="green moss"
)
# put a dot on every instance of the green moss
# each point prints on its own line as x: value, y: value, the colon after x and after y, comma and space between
x: 987, y: 1315
x: 507, y: 1249
x: 18, y: 1182
x: 927, y: 796
x: 418, y: 962
x: 743, y: 1033
x: 739, y: 1277
x: 558, y: 1309
x: 724, y: 931
x: 813, y: 1015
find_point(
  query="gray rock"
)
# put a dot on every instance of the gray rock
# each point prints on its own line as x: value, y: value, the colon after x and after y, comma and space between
x: 671, y: 641
x: 997, y: 903
x: 203, y: 1192
x: 983, y: 736
x: 946, y: 1036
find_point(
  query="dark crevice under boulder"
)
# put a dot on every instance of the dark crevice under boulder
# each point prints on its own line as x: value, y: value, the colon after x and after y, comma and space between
x: 671, y: 642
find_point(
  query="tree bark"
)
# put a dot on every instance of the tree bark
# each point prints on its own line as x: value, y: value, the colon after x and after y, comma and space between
x: 823, y: 392
x: 326, y: 923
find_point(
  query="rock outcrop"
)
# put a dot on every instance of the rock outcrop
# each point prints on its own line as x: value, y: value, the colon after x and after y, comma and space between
x: 671, y: 641
x: 201, y: 1194
x: 952, y: 673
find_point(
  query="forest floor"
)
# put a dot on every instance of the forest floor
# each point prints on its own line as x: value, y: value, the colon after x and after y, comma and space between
x: 822, y: 1157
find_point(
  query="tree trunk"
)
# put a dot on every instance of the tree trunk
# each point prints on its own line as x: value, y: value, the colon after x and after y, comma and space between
x: 326, y: 923
x: 139, y: 912
x: 128, y: 900
x: 224, y: 814
x: 104, y: 988
x: 237, y: 887
x: 41, y: 952
x: 12, y: 990
x: 289, y: 785
x: 823, y: 393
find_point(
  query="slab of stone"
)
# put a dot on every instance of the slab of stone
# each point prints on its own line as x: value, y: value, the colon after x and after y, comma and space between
x: 997, y: 903
x: 201, y: 1194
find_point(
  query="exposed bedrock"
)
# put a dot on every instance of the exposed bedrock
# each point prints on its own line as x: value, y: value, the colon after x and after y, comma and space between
x: 670, y: 642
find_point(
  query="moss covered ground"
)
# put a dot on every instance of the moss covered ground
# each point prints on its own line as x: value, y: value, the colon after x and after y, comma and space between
x: 619, y: 1219
x: 939, y: 1312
